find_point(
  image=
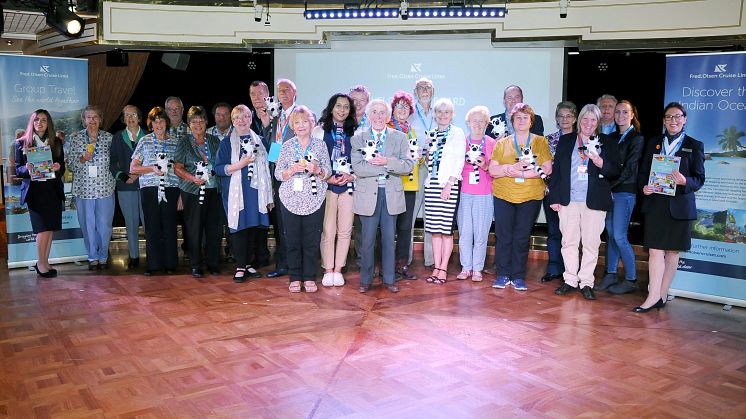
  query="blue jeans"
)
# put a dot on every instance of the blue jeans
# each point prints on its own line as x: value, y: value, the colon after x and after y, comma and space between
x: 617, y: 224
x: 556, y: 265
x: 95, y: 217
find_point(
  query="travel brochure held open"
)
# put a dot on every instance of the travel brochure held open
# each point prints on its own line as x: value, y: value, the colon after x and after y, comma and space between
x: 41, y: 160
x: 661, y: 174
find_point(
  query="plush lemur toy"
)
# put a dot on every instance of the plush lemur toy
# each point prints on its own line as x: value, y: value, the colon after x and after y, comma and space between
x: 472, y: 154
x: 250, y: 148
x: 370, y: 149
x: 593, y: 147
x: 499, y: 128
x: 528, y: 158
x: 343, y: 166
x: 163, y: 163
x: 414, y: 154
x: 273, y: 106
x: 308, y: 158
x: 202, y: 171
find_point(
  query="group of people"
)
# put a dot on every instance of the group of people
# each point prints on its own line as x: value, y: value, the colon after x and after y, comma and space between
x: 364, y: 170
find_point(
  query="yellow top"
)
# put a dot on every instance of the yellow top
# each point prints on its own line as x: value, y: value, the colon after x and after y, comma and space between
x: 506, y: 188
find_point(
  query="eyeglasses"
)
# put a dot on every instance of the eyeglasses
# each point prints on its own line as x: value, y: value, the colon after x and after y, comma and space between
x: 129, y: 114
x: 425, y: 87
x: 570, y: 116
x: 401, y: 105
x: 670, y: 118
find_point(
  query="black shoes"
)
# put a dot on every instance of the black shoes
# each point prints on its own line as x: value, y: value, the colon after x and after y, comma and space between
x: 550, y: 277
x: 48, y: 274
x: 658, y: 305
x: 213, y: 271
x: 149, y: 272
x: 133, y: 263
x: 253, y: 273
x: 564, y: 289
x: 588, y: 293
x: 625, y: 287
x: 92, y: 265
x: 277, y: 273
x: 240, y: 276
x: 197, y: 273
x: 609, y: 280
x: 403, y: 273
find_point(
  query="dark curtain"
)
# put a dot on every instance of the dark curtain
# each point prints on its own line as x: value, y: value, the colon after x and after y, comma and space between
x: 110, y: 88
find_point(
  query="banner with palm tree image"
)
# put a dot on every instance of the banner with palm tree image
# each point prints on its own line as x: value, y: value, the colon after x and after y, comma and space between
x: 712, y: 88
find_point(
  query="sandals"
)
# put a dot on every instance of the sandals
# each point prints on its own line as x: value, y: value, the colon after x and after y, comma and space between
x: 464, y: 274
x: 294, y: 286
x: 310, y: 286
x: 476, y: 276
x: 435, y: 280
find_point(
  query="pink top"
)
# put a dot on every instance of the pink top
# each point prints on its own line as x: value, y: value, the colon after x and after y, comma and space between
x: 484, y: 187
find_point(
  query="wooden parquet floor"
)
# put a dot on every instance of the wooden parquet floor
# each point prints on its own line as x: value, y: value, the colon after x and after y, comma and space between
x: 85, y: 345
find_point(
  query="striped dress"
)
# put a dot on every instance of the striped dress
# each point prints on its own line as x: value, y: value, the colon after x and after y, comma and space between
x: 440, y: 215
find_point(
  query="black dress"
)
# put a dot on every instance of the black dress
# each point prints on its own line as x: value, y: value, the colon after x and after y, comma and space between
x: 45, y: 199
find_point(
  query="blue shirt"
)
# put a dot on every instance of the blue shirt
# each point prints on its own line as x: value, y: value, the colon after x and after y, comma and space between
x: 578, y: 188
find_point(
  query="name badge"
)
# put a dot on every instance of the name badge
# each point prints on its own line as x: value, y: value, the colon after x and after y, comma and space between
x: 473, y: 178
x: 92, y: 171
x: 274, y: 152
x: 686, y: 150
x: 582, y: 169
x: 519, y: 180
x: 298, y: 184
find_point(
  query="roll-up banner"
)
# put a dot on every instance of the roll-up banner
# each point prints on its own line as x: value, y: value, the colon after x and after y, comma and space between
x: 712, y: 88
x: 28, y: 83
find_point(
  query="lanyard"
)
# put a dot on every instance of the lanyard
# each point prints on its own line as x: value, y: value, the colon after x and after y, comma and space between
x: 410, y: 131
x: 625, y: 134
x: 382, y: 141
x: 203, y: 150
x: 280, y: 134
x: 438, y: 151
x: 581, y: 152
x: 428, y: 127
x: 667, y: 146
x: 339, y: 137
x: 515, y: 143
x: 297, y: 149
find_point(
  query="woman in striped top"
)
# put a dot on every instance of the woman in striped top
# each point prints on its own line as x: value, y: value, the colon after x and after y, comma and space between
x: 444, y: 163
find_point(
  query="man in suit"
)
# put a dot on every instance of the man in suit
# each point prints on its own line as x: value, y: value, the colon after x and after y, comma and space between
x: 280, y: 131
x: 379, y: 193
x: 500, y: 125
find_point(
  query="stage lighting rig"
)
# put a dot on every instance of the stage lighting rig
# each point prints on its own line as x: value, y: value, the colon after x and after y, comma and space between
x: 61, y: 17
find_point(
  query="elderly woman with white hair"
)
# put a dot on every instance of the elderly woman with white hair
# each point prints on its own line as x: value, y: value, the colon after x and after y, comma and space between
x: 475, y: 203
x: 445, y: 162
x: 580, y: 192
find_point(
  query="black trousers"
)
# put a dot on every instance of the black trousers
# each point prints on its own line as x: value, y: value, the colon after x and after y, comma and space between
x: 204, y: 222
x: 275, y: 218
x: 261, y: 251
x: 404, y: 228
x: 160, y: 228
x: 513, y: 223
x: 303, y: 238
x: 243, y: 245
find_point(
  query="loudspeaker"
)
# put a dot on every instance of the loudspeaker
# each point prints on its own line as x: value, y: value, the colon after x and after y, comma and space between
x: 175, y: 60
x: 117, y: 58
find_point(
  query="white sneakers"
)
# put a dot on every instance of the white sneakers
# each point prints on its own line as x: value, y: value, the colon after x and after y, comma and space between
x: 332, y: 279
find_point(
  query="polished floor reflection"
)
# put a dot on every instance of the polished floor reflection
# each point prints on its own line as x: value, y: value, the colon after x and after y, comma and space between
x: 117, y: 344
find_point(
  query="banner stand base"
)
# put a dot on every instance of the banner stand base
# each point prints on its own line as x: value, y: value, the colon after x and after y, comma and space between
x: 727, y: 302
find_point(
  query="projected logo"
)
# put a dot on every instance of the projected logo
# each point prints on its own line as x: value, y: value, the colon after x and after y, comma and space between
x: 415, y: 68
x: 44, y: 69
x: 415, y: 71
x: 720, y: 68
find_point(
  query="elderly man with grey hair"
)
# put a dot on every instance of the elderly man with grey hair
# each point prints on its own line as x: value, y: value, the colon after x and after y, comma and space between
x: 607, y: 103
x: 379, y: 159
x: 175, y: 111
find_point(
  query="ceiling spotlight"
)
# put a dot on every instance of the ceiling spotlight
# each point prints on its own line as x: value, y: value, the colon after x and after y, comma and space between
x: 404, y: 10
x: 258, y: 11
x: 64, y: 20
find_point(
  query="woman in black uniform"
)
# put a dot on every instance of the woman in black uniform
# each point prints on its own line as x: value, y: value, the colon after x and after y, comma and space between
x: 668, y: 219
x: 45, y: 198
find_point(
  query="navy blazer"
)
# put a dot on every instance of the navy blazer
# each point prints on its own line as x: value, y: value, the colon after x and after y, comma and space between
x: 599, y: 180
x: 120, y: 160
x: 692, y: 166
x: 22, y: 171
